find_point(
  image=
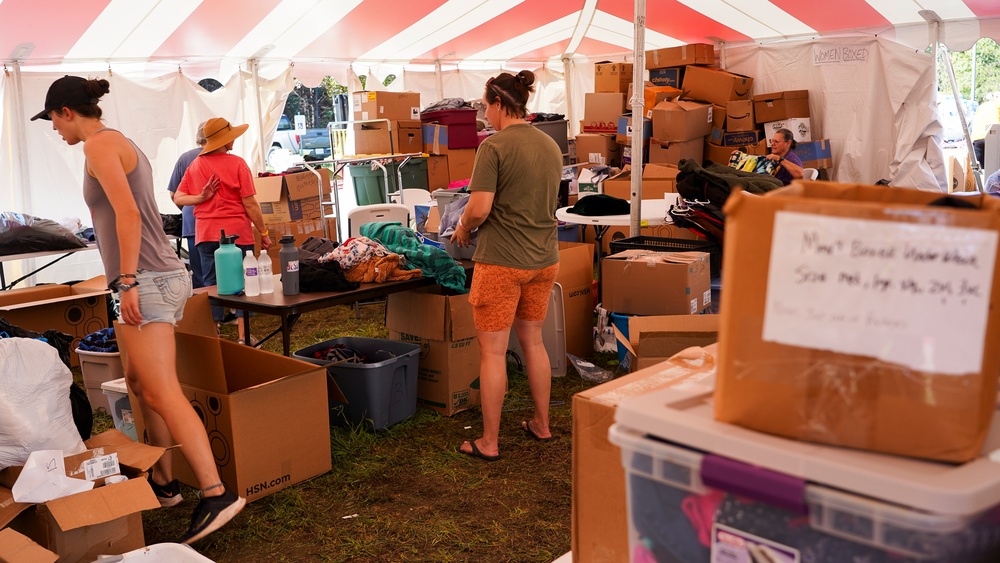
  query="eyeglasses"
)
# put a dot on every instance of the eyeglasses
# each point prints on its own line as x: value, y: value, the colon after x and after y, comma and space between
x: 778, y: 140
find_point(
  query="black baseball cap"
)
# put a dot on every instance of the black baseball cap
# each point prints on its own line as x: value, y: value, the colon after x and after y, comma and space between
x: 68, y: 91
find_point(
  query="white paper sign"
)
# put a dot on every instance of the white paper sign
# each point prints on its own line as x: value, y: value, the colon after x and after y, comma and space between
x: 910, y: 294
x: 44, y: 478
x: 824, y: 54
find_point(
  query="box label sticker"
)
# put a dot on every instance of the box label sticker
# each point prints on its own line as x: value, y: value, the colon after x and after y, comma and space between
x: 706, y: 297
x: 911, y: 294
x: 730, y: 545
x: 101, y: 466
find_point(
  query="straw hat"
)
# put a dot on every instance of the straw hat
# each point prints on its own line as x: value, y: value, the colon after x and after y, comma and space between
x: 218, y: 133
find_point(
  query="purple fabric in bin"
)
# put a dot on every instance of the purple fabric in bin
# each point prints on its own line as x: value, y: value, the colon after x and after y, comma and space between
x: 776, y: 489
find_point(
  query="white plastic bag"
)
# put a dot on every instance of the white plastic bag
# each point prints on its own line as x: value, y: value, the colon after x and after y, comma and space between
x: 35, y: 411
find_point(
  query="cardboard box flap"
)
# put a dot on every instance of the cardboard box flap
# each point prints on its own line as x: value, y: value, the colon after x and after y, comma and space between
x: 8, y: 508
x: 416, y: 317
x: 134, y: 455
x: 96, y: 283
x: 26, y: 298
x: 102, y: 504
x: 653, y: 257
x: 197, y: 317
x: 460, y: 321
x: 818, y: 189
x: 788, y: 94
x: 249, y: 368
x: 269, y: 188
x: 307, y: 184
x: 653, y: 171
x: 19, y: 548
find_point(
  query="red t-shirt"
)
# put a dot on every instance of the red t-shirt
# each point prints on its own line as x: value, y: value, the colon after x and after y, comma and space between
x: 224, y: 211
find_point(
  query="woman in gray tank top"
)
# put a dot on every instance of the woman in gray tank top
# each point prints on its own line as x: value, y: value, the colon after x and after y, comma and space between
x: 153, y: 287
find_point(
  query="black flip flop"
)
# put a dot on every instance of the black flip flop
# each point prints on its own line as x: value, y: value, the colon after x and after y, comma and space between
x: 526, y: 426
x: 476, y: 453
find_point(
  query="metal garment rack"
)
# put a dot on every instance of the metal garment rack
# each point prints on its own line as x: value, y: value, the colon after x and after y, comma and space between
x: 340, y: 163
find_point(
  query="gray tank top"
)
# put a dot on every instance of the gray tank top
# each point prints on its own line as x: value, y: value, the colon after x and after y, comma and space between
x: 155, y: 253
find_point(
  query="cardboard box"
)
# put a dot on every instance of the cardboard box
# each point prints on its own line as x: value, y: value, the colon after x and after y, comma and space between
x: 612, y: 77
x: 815, y: 154
x: 640, y: 282
x: 717, y: 153
x: 438, y: 138
x: 681, y: 120
x: 624, y: 135
x: 576, y: 276
x: 856, y: 289
x: 590, y: 146
x: 739, y: 116
x: 438, y: 175
x: 393, y: 106
x: 672, y: 152
x: 460, y: 163
x: 292, y: 197
x: 672, y: 77
x: 776, y: 106
x: 653, y: 94
x: 104, y: 520
x: 591, y: 178
x: 600, y: 502
x: 654, y: 339
x: 448, y: 376
x: 716, y: 86
x: 799, y: 126
x: 657, y: 180
x: 692, y: 54
x: 396, y: 137
x: 16, y: 547
x: 601, y: 111
x: 718, y: 117
x: 267, y: 415
x: 735, y: 139
x: 76, y: 310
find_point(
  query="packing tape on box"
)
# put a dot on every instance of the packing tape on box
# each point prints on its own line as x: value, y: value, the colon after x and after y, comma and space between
x: 690, y: 367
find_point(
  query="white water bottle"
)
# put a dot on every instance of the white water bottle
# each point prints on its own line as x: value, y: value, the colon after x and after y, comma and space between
x: 251, y: 281
x: 264, y: 273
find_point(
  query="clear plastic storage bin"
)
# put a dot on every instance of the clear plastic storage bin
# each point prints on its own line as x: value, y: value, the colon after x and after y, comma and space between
x: 120, y: 406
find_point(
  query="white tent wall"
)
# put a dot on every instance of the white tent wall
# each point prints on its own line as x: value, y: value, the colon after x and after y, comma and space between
x: 877, y: 111
x: 160, y: 115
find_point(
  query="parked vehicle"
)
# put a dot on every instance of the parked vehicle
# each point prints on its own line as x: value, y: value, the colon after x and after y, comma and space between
x: 315, y: 143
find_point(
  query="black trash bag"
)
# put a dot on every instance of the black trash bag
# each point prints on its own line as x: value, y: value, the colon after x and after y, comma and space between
x: 58, y: 340
x: 171, y: 224
x: 21, y: 233
x: 83, y: 412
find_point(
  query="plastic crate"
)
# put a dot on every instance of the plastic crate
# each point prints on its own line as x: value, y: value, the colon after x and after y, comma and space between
x: 664, y: 484
x: 369, y: 185
x: 379, y: 393
x: 120, y: 406
x: 660, y: 244
x: 97, y: 368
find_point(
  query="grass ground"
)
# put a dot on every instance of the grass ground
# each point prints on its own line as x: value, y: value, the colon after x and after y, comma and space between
x: 405, y: 494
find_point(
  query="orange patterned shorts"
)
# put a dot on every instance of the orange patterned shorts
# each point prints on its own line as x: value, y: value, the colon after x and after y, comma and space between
x: 500, y: 293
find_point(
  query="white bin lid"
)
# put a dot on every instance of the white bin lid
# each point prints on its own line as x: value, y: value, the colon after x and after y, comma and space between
x: 116, y: 386
x: 683, y: 414
x: 163, y: 552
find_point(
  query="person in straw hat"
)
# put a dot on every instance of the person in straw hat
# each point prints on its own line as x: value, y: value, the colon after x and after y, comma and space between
x: 153, y: 287
x: 220, y: 186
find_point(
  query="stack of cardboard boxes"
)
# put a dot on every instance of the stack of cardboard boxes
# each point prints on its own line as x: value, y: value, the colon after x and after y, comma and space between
x: 292, y: 205
x: 400, y: 131
x: 451, y: 138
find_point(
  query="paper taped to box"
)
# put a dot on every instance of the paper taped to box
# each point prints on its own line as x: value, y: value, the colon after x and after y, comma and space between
x: 862, y: 316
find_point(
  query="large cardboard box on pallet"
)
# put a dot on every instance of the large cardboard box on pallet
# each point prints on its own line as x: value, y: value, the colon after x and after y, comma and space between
x: 76, y: 310
x: 600, y: 501
x: 292, y: 197
x: 448, y: 375
x: 267, y: 415
x: 105, y: 520
x: 861, y: 316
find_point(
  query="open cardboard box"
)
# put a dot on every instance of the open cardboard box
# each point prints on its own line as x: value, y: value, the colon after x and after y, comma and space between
x: 104, y: 520
x: 600, y: 502
x: 653, y: 339
x: 292, y: 197
x: 267, y: 415
x: 643, y: 282
x: 76, y: 310
x: 18, y: 547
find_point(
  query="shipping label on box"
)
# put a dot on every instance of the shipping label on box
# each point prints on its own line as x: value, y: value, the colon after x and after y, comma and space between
x: 893, y: 296
x: 799, y: 126
x: 641, y: 282
x: 612, y: 77
x: 781, y: 105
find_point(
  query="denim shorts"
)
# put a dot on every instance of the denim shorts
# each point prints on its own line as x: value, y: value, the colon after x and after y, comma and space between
x: 162, y: 295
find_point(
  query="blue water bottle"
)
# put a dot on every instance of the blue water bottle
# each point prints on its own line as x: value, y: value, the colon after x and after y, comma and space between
x: 228, y: 266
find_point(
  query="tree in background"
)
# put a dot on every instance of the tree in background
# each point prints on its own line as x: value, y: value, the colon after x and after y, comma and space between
x: 987, y: 71
x: 317, y: 104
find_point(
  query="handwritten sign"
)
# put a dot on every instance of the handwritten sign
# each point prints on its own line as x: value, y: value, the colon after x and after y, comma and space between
x: 835, y: 54
x: 910, y: 294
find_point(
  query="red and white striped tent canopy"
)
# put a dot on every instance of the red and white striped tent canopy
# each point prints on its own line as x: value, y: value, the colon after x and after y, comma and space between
x: 878, y: 113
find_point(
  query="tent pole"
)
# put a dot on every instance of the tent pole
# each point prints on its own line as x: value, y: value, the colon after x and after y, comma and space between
x: 638, y: 65
x: 568, y: 86
x: 20, y: 130
x: 961, y: 116
x: 261, y: 155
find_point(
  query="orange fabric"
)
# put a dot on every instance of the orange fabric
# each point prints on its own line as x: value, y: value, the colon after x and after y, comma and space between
x: 500, y: 294
x: 380, y: 269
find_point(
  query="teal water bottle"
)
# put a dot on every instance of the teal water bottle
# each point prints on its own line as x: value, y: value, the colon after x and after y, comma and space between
x: 228, y: 266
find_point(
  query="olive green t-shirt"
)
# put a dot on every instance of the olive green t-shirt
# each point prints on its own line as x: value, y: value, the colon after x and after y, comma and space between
x: 522, y: 166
